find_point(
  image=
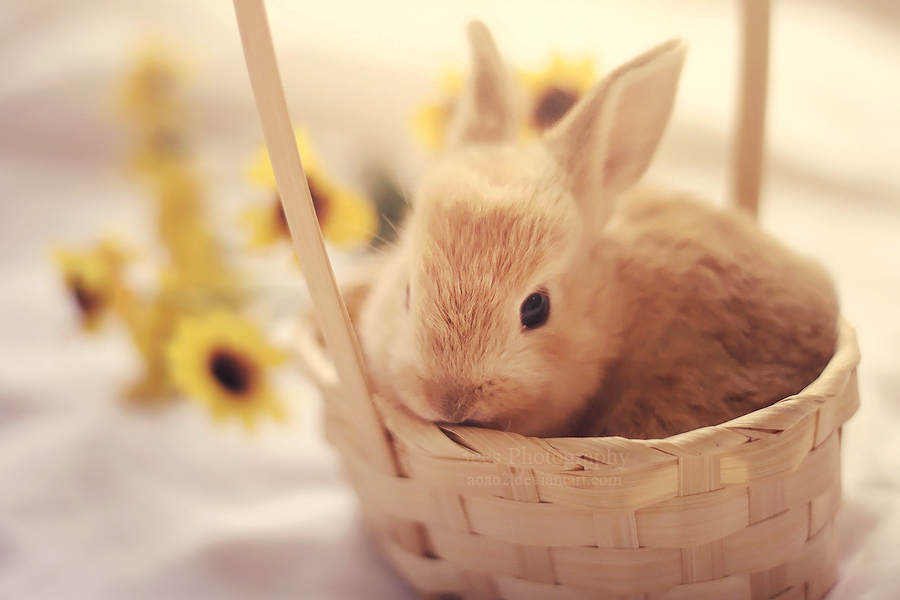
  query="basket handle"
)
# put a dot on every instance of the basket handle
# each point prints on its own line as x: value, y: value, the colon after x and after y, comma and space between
x: 749, y: 141
x: 268, y: 91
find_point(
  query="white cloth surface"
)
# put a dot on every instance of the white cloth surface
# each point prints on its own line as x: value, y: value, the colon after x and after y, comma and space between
x: 99, y: 501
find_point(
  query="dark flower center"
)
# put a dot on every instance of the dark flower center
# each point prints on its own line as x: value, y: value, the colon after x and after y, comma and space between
x: 320, y: 200
x: 232, y: 371
x: 88, y: 302
x: 281, y: 223
x: 552, y: 106
x: 320, y: 203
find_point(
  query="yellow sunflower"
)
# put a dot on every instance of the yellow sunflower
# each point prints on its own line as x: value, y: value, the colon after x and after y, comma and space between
x: 222, y: 360
x: 347, y: 218
x: 430, y: 122
x: 93, y: 279
x: 556, y: 89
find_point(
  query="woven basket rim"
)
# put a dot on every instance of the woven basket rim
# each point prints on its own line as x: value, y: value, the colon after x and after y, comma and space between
x: 456, y: 441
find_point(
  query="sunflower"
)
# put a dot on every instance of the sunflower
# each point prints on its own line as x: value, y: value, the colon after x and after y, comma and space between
x: 347, y: 218
x: 93, y: 279
x: 222, y: 360
x: 556, y: 89
x: 431, y: 121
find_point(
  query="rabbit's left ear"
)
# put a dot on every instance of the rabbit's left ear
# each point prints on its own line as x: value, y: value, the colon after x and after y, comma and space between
x: 486, y: 111
x: 606, y: 141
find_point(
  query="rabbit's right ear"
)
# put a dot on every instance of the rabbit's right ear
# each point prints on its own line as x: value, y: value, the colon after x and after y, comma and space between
x: 606, y: 141
x: 486, y: 110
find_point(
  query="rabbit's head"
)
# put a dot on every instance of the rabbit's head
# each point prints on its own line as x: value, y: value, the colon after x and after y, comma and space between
x: 494, y: 308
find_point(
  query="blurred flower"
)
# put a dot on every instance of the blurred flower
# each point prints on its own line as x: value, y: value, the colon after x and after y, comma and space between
x: 222, y: 360
x: 267, y: 224
x: 431, y: 121
x: 151, y: 100
x: 93, y: 279
x: 556, y: 89
x: 347, y: 218
x: 185, y: 231
x: 150, y: 324
x: 160, y: 149
x: 150, y: 93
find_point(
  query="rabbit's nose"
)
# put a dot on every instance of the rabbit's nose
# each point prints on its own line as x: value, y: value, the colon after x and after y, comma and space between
x: 457, y: 404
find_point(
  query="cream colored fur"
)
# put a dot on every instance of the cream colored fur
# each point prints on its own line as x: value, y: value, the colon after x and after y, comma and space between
x: 666, y: 314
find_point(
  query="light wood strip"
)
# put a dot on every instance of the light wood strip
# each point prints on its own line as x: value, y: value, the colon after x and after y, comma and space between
x: 735, y: 587
x: 598, y: 454
x: 819, y: 472
x: 727, y: 588
x: 769, y: 583
x: 424, y: 437
x: 816, y: 552
x: 398, y: 496
x: 819, y: 585
x: 471, y: 478
x: 477, y: 553
x: 512, y: 588
x: 426, y: 575
x: 766, y: 544
x: 616, y: 529
x: 766, y: 499
x: 848, y: 400
x: 704, y: 562
x: 536, y: 561
x: 750, y: 136
x: 698, y: 474
x: 771, y: 456
x: 796, y: 592
x: 823, y: 509
x: 700, y: 442
x: 453, y: 512
x: 479, y: 586
x: 693, y: 520
x: 618, y: 571
x: 537, y: 564
x: 626, y: 488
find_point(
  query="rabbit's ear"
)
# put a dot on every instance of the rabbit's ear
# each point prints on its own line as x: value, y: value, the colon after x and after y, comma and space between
x: 485, y: 113
x: 606, y: 141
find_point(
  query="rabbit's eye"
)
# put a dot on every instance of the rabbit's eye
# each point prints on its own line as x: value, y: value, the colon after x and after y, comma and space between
x: 407, y: 296
x: 535, y: 310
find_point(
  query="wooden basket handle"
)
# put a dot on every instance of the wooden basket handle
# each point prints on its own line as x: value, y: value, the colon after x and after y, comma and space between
x: 304, y: 227
x: 749, y: 141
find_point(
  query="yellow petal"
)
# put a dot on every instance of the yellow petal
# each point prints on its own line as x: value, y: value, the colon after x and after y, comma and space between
x: 260, y: 171
x: 352, y: 220
x: 430, y: 122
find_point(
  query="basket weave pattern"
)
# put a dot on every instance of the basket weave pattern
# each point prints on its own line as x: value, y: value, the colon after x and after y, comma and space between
x: 742, y: 510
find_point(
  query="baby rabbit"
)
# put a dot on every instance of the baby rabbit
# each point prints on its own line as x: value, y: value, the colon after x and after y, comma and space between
x: 534, y: 291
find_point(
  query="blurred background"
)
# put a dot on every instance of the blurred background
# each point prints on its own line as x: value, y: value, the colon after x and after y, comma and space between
x: 103, y: 496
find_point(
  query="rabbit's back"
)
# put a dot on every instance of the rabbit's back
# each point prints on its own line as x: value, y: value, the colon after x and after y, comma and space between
x: 719, y: 319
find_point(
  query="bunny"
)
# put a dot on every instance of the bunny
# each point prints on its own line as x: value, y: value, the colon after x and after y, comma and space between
x: 535, y: 289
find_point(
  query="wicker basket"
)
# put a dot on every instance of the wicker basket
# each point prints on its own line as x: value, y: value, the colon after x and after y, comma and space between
x: 742, y: 510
